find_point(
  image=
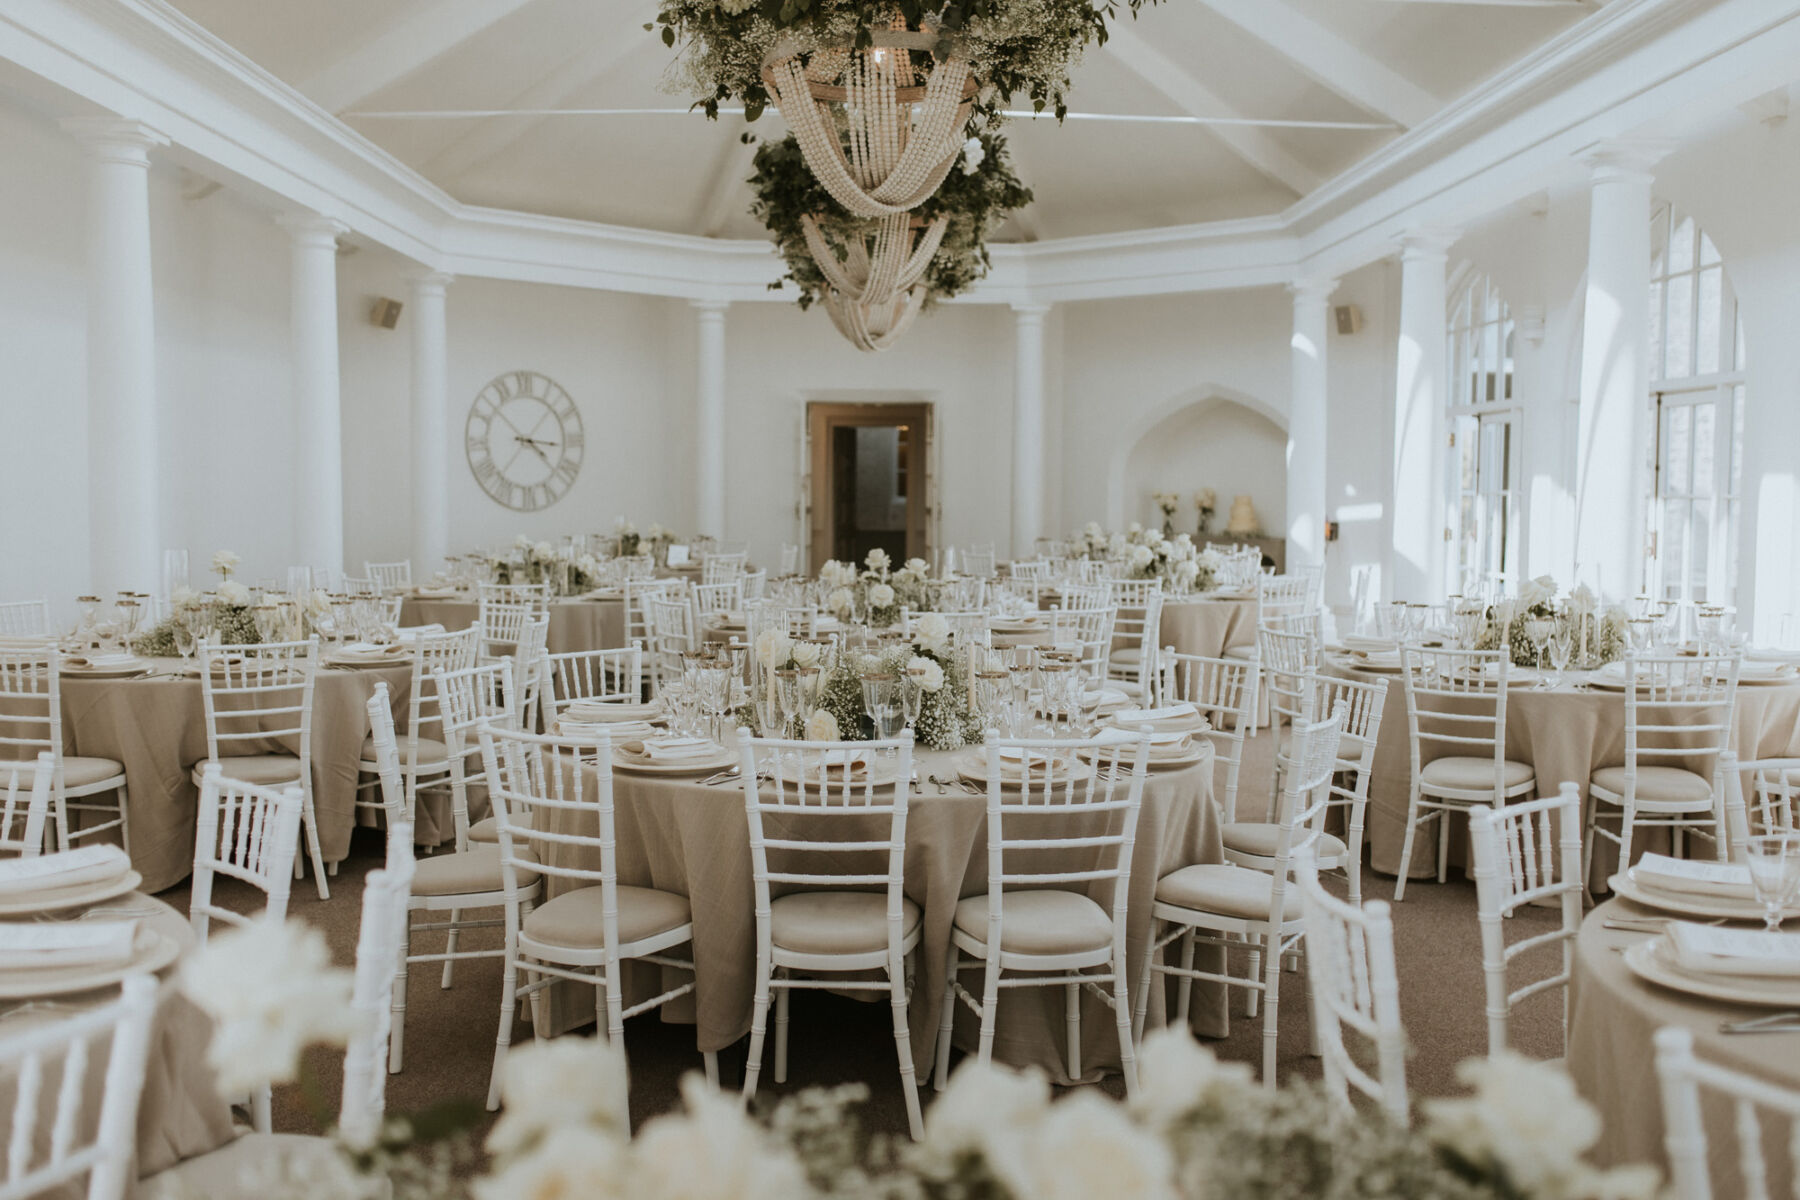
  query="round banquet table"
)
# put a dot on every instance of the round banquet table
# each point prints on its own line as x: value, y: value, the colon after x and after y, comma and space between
x: 1205, y: 625
x: 156, y: 726
x: 1566, y: 734
x: 575, y: 624
x: 679, y: 836
x: 181, y: 1114
x: 1613, y: 1017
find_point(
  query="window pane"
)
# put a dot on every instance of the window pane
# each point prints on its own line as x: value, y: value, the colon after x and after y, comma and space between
x: 1678, y: 354
x: 1706, y: 351
x: 1700, y: 539
x: 1674, y: 545
x: 1490, y: 358
x: 1704, y: 459
x: 1737, y: 440
x: 1737, y: 360
x: 1675, y: 453
x: 1681, y: 246
x: 1659, y: 239
x: 1656, y: 330
x: 1709, y: 253
x: 1731, y: 552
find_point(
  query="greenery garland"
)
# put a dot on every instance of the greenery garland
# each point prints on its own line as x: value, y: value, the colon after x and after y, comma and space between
x: 1014, y: 47
x: 976, y: 197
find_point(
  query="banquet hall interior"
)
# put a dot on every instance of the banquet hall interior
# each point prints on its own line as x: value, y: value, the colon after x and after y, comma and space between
x: 858, y: 598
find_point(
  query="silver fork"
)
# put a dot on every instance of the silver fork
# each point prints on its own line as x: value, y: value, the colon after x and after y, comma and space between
x: 933, y: 779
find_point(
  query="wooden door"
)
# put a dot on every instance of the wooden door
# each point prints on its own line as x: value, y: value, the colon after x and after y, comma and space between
x: 833, y: 478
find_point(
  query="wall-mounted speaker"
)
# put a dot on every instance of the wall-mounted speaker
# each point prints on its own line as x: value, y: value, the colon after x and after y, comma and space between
x: 1349, y: 318
x: 386, y: 313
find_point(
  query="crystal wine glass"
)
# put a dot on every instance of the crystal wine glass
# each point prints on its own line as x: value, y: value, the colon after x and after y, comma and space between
x: 1537, y: 632
x: 882, y: 701
x: 1562, y: 647
x: 90, y: 614
x: 914, y: 695
x: 1774, y: 873
x: 183, y: 633
x: 1642, y: 633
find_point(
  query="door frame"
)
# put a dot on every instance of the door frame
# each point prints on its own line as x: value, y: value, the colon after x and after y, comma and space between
x: 822, y: 417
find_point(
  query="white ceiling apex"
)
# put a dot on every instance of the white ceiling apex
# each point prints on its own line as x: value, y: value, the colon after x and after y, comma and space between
x: 1428, y: 241
x: 116, y: 139
x: 1626, y: 156
x: 1173, y: 80
x: 1329, y: 59
x: 428, y: 30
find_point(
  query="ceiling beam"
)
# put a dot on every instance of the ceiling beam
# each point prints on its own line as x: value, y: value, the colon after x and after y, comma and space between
x: 1193, y: 97
x: 588, y: 65
x: 1330, y: 59
x: 424, y: 32
x: 725, y: 191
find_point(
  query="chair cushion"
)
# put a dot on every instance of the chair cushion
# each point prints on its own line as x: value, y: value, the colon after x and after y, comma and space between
x: 250, y: 1168
x: 1241, y: 652
x: 1229, y: 891
x: 1659, y: 785
x: 1129, y: 656
x: 1471, y: 774
x: 573, y: 919
x: 1039, y: 922
x: 837, y: 922
x: 431, y: 750
x: 473, y: 870
x: 264, y: 770
x: 78, y: 772
x: 486, y: 830
x: 1259, y: 838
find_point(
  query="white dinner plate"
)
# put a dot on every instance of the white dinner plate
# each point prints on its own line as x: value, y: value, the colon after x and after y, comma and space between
x: 1194, y: 723
x: 1355, y: 662
x: 78, y: 896
x: 972, y: 766
x: 150, y: 951
x: 123, y: 671
x: 1653, y: 961
x: 1690, y: 904
x: 702, y: 764
x: 1196, y: 751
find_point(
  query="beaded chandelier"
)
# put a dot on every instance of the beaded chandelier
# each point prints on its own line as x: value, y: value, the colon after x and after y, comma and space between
x: 874, y: 326
x: 873, y: 271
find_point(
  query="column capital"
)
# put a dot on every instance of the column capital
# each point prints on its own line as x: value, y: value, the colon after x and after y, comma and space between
x: 1425, y: 243
x: 312, y: 229
x: 118, y: 140
x: 1311, y: 289
x: 1032, y: 313
x: 427, y: 283
x: 1624, y: 158
x: 710, y: 310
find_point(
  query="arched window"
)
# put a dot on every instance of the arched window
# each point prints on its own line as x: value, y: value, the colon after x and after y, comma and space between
x: 1484, y: 437
x: 1697, y: 400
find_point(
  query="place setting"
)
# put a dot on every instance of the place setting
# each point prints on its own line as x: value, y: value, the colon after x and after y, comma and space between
x: 49, y: 946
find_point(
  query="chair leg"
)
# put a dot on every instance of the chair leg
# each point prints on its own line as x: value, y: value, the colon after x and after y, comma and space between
x: 1122, y: 1021
x: 1406, y: 843
x: 759, y: 1023
x: 782, y: 999
x: 1313, y: 1046
x: 311, y: 822
x: 397, y: 1005
x: 1143, y: 988
x: 909, y: 1084
x: 1589, y: 826
x: 946, y: 1018
x: 1184, y: 989
x: 1271, y: 1007
x: 1072, y: 1026
x: 710, y: 1060
x: 509, y: 1003
x: 990, y: 1005
x: 124, y: 821
x: 1252, y: 997
x: 261, y: 1114
x: 450, y: 947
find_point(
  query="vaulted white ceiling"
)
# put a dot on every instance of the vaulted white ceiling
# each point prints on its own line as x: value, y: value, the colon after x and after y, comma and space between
x: 1288, y: 93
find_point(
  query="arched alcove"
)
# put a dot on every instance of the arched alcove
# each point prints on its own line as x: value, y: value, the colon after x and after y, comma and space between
x: 1208, y: 436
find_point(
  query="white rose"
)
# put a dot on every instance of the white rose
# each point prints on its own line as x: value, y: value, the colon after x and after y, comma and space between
x: 1092, y: 529
x: 1185, y: 541
x: 1153, y: 537
x: 918, y: 566
x: 822, y: 727
x: 989, y: 1110
x: 931, y: 630
x: 234, y: 593
x: 569, y: 1162
x: 523, y: 541
x: 319, y: 603
x: 183, y: 595
x: 576, y: 1082
x: 1584, y: 601
x: 1116, y: 543
x: 1176, y: 1074
x: 224, y: 562
x: 271, y: 991
x: 931, y: 675
x: 710, y: 1152
x: 1133, y: 529
x: 881, y: 596
x: 587, y: 564
x: 1526, y: 1116
x: 773, y: 648
x: 807, y: 654
x: 878, y: 560
x: 973, y: 153
x: 543, y: 551
x: 1141, y: 556
x: 1187, y: 571
x: 1537, y: 591
x: 840, y: 600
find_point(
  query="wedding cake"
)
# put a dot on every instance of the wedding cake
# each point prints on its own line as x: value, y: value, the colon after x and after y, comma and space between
x: 1242, y: 521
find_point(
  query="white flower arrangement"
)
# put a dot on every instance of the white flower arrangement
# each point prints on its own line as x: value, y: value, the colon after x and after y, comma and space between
x: 234, y: 593
x: 881, y: 595
x: 773, y: 649
x: 823, y: 727
x: 878, y: 560
x: 225, y: 562
x: 931, y: 631
x: 931, y: 675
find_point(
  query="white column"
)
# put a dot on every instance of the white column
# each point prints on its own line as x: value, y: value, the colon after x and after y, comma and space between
x: 1615, y: 373
x: 709, y: 419
x: 1307, y: 423
x: 430, y: 425
x: 318, y: 441
x: 124, y: 539
x: 1420, y: 444
x: 1028, y: 428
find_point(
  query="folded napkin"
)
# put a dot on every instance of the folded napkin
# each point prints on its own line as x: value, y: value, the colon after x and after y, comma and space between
x: 411, y: 633
x: 671, y: 749
x: 28, y: 947
x: 1355, y: 641
x: 596, y: 712
x: 1692, y: 877
x: 839, y: 760
x: 47, y: 872
x: 1716, y: 951
x: 371, y: 650
x: 1168, y: 712
x: 100, y: 661
x: 616, y: 730
x: 1017, y: 754
x: 1771, y: 654
x: 436, y: 593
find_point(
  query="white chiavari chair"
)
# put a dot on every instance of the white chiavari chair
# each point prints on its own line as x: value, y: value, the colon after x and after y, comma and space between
x: 602, y: 676
x: 1774, y: 804
x: 25, y: 806
x: 390, y: 577
x: 637, y: 593
x: 790, y: 559
x: 31, y: 698
x: 1088, y: 631
x: 716, y: 599
x: 1290, y: 662
x: 424, y: 761
x: 756, y: 584
x: 501, y: 623
x: 1456, y: 712
x: 51, y: 1141
x: 837, y: 915
x: 537, y: 595
x: 1224, y: 692
x: 528, y: 658
x: 1137, y: 634
x: 722, y: 568
x: 1059, y: 843
x: 361, y: 586
x: 1686, y: 1080
x: 979, y: 561
x: 1225, y: 905
x: 254, y: 695
x: 1355, y: 989
x: 547, y: 793
x: 671, y: 636
x: 1526, y: 854
x: 471, y: 876
x: 25, y: 618
x: 1035, y: 570
x: 1678, y: 716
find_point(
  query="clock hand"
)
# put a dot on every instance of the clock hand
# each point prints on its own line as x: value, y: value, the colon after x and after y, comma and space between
x: 539, y: 453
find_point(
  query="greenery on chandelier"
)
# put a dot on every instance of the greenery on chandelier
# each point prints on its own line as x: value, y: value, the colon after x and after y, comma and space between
x: 976, y: 196
x: 1015, y: 48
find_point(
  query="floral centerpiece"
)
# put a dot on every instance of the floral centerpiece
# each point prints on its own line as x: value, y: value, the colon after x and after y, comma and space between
x: 628, y: 537
x: 1166, y: 504
x: 1175, y: 561
x: 1598, y: 631
x: 945, y: 720
x: 567, y: 572
x: 877, y: 590
x: 227, y: 613
x: 1206, y: 503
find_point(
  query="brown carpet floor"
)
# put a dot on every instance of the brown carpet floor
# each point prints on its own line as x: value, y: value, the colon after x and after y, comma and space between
x: 450, y: 1033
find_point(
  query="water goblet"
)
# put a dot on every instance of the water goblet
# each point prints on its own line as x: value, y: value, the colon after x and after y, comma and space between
x: 1641, y: 631
x: 882, y: 701
x: 128, y: 611
x: 268, y: 621
x: 1709, y: 626
x: 1774, y: 860
x: 1393, y: 620
x: 1055, y: 680
x: 993, y: 698
x: 1562, y: 646
x: 183, y: 633
x: 914, y: 696
x: 1537, y: 632
x: 90, y: 615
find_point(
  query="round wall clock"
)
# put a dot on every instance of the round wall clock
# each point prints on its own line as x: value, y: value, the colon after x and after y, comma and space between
x: 524, y: 440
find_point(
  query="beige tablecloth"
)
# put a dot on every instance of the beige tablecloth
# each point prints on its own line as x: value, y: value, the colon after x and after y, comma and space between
x: 1566, y: 735
x: 1612, y: 1060
x: 157, y: 728
x: 678, y: 836
x: 574, y: 624
x: 180, y: 1115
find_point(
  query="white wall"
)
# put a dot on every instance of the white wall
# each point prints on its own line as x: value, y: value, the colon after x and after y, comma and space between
x: 1214, y: 443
